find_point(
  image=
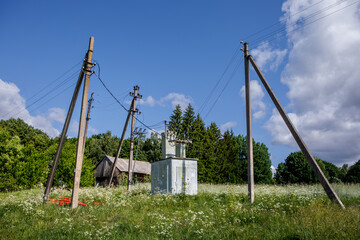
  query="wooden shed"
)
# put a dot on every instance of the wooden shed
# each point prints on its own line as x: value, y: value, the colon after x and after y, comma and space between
x: 103, y: 170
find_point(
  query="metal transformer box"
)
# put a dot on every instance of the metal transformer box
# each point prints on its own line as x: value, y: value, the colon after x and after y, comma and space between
x: 174, y: 175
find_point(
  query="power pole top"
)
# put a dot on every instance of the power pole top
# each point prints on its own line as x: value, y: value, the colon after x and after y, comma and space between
x: 91, y: 44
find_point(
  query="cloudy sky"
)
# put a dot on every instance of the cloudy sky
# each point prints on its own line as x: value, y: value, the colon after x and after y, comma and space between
x: 189, y: 52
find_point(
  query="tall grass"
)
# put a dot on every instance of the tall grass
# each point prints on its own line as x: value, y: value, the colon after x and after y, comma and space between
x: 217, y: 212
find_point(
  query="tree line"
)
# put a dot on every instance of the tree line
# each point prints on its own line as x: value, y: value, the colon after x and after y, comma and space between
x: 27, y: 154
x: 296, y: 169
x: 221, y: 156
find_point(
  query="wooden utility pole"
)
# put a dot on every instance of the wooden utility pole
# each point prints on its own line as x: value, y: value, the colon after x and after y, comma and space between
x: 313, y: 164
x: 88, y: 116
x: 81, y: 135
x: 133, y: 111
x: 51, y: 175
x: 121, y: 143
x: 250, y: 160
x: 139, y: 133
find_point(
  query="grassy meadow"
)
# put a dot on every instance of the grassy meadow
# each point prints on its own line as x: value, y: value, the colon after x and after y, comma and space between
x: 217, y: 212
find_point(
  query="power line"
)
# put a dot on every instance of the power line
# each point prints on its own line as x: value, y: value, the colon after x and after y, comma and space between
x: 42, y: 97
x: 76, y: 64
x: 279, y: 33
x: 294, y: 24
x: 207, y: 99
x: 225, y: 86
x: 280, y: 21
x: 64, y: 90
x: 145, y: 125
x: 47, y: 93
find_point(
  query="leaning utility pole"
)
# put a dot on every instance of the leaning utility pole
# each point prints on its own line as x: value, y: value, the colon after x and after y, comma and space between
x: 120, y: 144
x: 313, y: 164
x: 88, y: 116
x: 122, y: 139
x: 51, y: 175
x: 135, y: 95
x: 249, y: 142
x: 81, y: 135
x: 139, y: 133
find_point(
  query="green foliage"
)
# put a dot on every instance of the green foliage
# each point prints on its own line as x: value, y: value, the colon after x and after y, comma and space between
x: 343, y: 171
x: 261, y: 158
x: 25, y: 154
x: 187, y: 122
x: 353, y: 175
x: 197, y: 148
x: 228, y: 159
x: 296, y: 169
x: 64, y: 175
x: 333, y: 172
x: 100, y: 145
x: 152, y: 148
x: 176, y: 121
x: 221, y: 158
x: 10, y: 156
x: 26, y: 133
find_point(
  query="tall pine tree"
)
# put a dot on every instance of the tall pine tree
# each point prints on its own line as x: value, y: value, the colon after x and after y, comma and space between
x: 197, y: 148
x: 213, y: 136
x: 187, y: 122
x: 176, y: 121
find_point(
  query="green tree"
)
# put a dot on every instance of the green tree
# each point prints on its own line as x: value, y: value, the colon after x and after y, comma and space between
x: 152, y: 148
x: 212, y: 137
x: 26, y: 133
x: 353, y: 175
x: 197, y: 148
x: 281, y: 174
x: 32, y: 169
x: 21, y: 149
x: 296, y: 169
x: 333, y: 172
x: 261, y: 158
x: 10, y: 156
x: 64, y: 175
x: 100, y: 145
x: 176, y: 121
x: 187, y: 122
x: 343, y: 171
x: 228, y: 159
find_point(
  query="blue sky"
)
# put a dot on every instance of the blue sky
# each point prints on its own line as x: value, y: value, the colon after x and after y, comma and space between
x: 176, y: 51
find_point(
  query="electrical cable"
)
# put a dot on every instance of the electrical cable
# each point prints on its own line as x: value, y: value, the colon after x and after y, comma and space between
x: 45, y: 95
x: 73, y: 84
x: 227, y: 83
x: 102, y: 82
x: 280, y: 21
x: 203, y: 105
x: 36, y: 94
x: 283, y: 31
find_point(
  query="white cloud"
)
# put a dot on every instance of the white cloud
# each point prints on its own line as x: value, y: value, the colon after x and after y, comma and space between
x: 227, y: 126
x: 322, y: 75
x: 258, y: 107
x: 268, y: 58
x: 57, y: 114
x: 172, y: 98
x: 12, y: 105
x: 177, y: 99
x: 149, y: 101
